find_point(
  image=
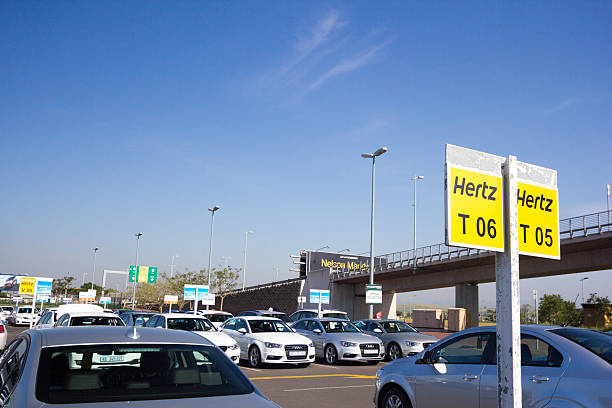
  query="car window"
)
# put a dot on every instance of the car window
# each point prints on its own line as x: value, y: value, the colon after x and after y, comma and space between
x: 536, y: 352
x: 267, y: 326
x: 151, y: 321
x: 132, y: 372
x: 12, y: 363
x: 190, y: 324
x: 230, y: 324
x: 301, y: 325
x: 398, y: 327
x: 339, y: 327
x: 360, y: 325
x: 595, y: 341
x: 140, y: 319
x: 309, y: 315
x: 468, y: 349
x: 334, y: 315
x: 218, y: 318
x: 46, y: 318
x: 160, y: 322
x: 63, y: 321
x: 241, y: 324
x: 96, y: 321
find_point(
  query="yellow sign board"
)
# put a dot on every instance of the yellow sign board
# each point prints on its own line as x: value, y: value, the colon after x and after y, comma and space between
x: 27, y: 286
x: 475, y: 209
x: 538, y: 217
x: 143, y: 274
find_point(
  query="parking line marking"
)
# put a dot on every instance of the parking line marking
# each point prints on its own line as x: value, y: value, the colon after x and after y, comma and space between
x: 330, y: 388
x: 284, y: 377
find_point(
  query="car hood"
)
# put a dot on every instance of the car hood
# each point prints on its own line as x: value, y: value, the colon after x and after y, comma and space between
x: 353, y: 337
x: 420, y: 337
x: 216, y: 338
x: 281, y: 338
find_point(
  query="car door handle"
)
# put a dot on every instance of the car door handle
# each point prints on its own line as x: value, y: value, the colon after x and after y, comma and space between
x: 470, y: 377
x: 539, y: 379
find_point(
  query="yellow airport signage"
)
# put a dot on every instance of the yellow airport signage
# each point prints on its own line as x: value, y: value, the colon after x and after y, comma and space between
x: 538, y: 214
x: 475, y: 209
x: 27, y: 286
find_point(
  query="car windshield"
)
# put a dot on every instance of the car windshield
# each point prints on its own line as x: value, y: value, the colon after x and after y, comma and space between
x: 96, y: 321
x: 141, y: 319
x: 109, y: 372
x: 24, y: 310
x: 281, y: 316
x: 265, y: 326
x: 335, y: 315
x: 398, y: 327
x: 7, y: 309
x: 218, y: 318
x: 597, y: 342
x: 339, y: 327
x: 190, y: 324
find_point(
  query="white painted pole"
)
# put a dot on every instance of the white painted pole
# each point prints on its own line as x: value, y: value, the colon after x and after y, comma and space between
x: 33, y: 304
x: 509, y: 392
x: 371, y: 306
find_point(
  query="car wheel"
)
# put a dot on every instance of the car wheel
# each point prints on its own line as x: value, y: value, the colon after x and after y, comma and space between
x: 331, y: 354
x: 254, y: 357
x: 394, y: 352
x: 395, y: 398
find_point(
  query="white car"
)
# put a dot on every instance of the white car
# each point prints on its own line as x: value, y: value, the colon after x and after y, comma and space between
x: 199, y: 325
x: 51, y: 315
x: 22, y: 316
x: 5, y: 312
x: 216, y: 317
x: 88, y: 319
x: 266, y: 340
x: 3, y: 336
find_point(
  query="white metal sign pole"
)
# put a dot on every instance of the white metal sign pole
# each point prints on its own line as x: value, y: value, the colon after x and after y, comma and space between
x: 509, y: 393
x: 195, y: 302
x: 33, y: 304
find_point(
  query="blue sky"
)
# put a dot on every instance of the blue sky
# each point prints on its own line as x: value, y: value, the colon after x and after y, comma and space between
x: 117, y: 118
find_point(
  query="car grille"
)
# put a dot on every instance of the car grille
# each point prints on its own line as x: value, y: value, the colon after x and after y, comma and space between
x: 296, y: 347
x: 223, y: 348
x: 369, y: 346
x: 425, y: 345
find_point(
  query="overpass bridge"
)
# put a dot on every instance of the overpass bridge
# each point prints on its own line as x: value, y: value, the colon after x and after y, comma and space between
x: 586, y: 245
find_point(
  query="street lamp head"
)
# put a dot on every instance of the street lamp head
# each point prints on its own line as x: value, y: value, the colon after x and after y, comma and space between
x: 367, y: 155
x: 250, y: 232
x: 138, y: 235
x: 420, y: 177
x: 96, y: 249
x: 380, y: 151
x: 215, y: 208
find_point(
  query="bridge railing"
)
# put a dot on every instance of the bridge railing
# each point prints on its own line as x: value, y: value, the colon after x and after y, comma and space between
x: 574, y: 227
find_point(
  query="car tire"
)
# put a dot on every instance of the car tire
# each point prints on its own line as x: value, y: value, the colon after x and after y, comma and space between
x: 254, y: 357
x: 395, y: 397
x: 330, y: 354
x: 394, y: 352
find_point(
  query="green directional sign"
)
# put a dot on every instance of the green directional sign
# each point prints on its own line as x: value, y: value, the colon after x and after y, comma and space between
x: 143, y: 274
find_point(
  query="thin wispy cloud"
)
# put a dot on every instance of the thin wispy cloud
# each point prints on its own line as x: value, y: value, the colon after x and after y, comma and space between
x: 325, y: 50
x: 562, y: 105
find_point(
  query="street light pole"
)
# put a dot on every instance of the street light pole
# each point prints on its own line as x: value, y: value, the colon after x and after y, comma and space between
x: 212, y: 223
x: 138, y: 235
x: 172, y: 265
x: 414, y: 246
x: 582, y: 282
x: 373, y: 157
x: 93, y: 274
x: 246, y: 241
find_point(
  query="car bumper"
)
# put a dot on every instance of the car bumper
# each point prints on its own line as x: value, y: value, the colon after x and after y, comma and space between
x: 355, y: 354
x: 409, y: 351
x: 233, y: 355
x: 279, y: 356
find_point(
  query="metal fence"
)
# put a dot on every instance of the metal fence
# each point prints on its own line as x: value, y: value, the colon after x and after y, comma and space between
x: 575, y: 227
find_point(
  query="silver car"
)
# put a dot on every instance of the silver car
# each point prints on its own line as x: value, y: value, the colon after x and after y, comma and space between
x: 561, y: 367
x: 115, y: 366
x: 339, y: 339
x: 400, y: 339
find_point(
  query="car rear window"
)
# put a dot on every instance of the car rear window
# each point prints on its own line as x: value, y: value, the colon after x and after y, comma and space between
x: 111, y: 373
x: 336, y: 315
x: 218, y: 318
x: 96, y: 321
x: 596, y: 342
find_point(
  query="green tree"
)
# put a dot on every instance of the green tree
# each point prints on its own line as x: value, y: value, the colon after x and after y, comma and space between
x: 554, y: 310
x: 61, y: 285
x: 223, y: 281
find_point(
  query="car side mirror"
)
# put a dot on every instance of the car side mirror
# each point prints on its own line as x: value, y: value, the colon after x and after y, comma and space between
x: 377, y: 330
x: 242, y: 330
x: 317, y: 331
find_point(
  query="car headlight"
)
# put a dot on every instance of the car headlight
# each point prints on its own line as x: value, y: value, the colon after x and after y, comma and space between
x: 348, y: 344
x: 273, y: 345
x: 412, y: 344
x: 234, y: 346
x: 311, y: 345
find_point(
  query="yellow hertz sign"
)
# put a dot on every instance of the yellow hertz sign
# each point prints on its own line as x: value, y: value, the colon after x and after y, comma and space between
x: 538, y: 216
x: 475, y: 210
x: 27, y: 285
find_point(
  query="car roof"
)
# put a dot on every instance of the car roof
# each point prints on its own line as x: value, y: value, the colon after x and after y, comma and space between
x: 91, y: 314
x: 328, y: 319
x: 214, y: 312
x: 269, y: 311
x: 113, y: 335
x: 258, y: 318
x: 382, y: 320
x: 182, y: 315
x: 322, y: 311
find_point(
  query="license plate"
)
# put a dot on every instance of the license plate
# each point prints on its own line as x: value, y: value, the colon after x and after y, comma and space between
x: 370, y: 351
x: 297, y: 353
x: 111, y: 359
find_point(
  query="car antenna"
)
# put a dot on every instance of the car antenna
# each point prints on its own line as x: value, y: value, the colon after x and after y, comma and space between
x: 133, y: 335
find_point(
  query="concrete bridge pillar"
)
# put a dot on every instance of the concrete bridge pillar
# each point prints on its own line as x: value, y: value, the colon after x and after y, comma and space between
x: 466, y: 296
x: 351, y: 299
